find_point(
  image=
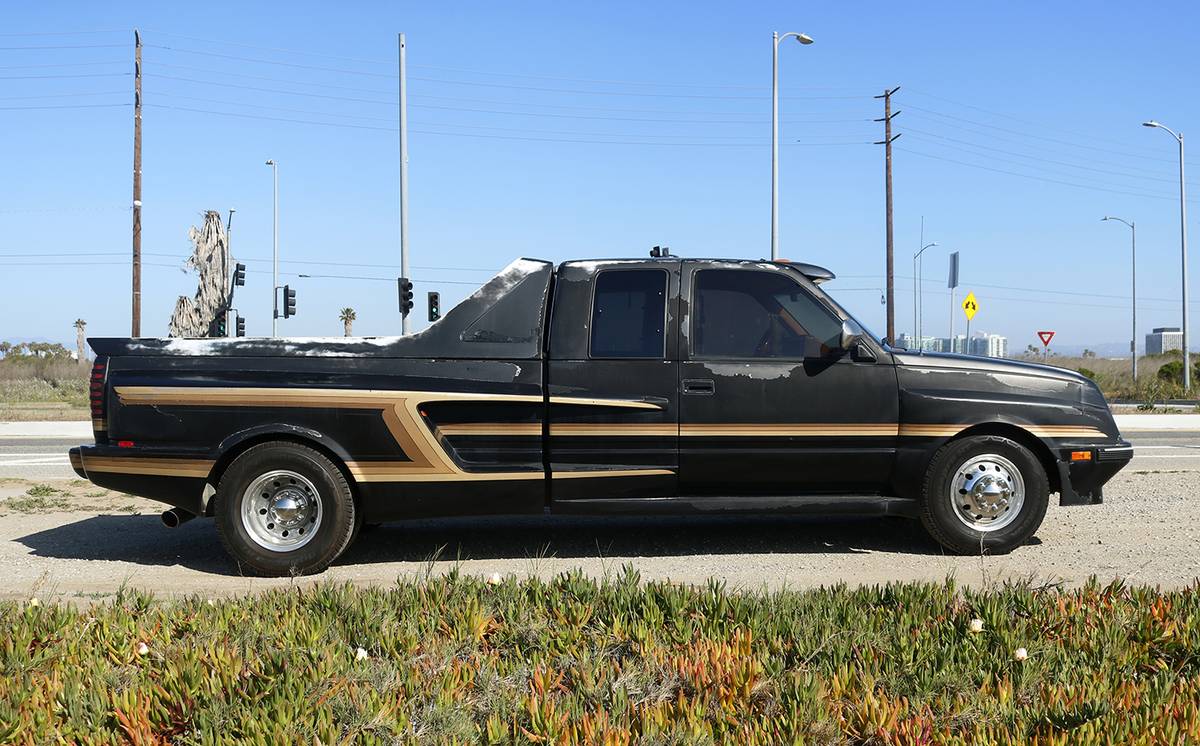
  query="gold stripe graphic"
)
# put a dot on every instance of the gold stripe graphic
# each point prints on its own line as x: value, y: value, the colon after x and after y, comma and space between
x: 783, y: 430
x: 162, y: 467
x: 428, y: 460
x: 99, y: 425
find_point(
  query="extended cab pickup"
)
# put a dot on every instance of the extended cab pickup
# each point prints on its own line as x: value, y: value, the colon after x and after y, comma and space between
x: 664, y: 385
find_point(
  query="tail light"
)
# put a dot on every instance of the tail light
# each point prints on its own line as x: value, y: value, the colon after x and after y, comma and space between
x: 96, y: 396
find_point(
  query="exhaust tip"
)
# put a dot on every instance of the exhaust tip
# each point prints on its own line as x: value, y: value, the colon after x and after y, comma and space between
x: 175, y: 517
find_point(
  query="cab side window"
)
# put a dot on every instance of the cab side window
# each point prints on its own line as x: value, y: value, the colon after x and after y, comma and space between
x: 629, y: 314
x: 757, y: 314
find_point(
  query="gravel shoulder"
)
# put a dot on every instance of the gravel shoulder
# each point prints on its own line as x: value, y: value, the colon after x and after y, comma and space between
x: 80, y: 544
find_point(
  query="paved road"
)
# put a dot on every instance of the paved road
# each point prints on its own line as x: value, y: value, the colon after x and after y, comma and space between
x: 46, y: 458
x: 91, y: 544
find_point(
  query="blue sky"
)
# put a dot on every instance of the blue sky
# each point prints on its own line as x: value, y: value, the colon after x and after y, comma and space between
x: 568, y: 130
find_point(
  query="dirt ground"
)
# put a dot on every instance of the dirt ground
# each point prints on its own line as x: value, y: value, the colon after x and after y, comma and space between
x: 68, y: 539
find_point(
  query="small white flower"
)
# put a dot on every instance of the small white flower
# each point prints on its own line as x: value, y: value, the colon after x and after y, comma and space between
x: 34, y: 602
x: 360, y: 654
x: 142, y: 648
x: 494, y: 579
x: 210, y: 602
x: 1020, y: 654
x: 976, y: 625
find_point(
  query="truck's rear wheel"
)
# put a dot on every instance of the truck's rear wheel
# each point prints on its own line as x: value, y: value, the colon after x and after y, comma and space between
x: 984, y: 494
x: 284, y: 509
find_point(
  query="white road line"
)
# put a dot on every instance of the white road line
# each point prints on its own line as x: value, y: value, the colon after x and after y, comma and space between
x: 1166, y: 455
x: 32, y: 455
x: 34, y: 463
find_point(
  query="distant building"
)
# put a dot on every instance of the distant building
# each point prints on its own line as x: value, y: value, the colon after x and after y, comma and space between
x: 989, y: 345
x: 1164, y: 339
x: 983, y: 345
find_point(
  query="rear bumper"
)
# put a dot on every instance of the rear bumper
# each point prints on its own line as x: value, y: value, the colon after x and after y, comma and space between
x: 1083, y: 479
x: 168, y: 478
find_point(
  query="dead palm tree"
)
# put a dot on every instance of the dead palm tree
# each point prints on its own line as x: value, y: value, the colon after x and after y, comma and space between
x: 347, y: 317
x: 80, y: 326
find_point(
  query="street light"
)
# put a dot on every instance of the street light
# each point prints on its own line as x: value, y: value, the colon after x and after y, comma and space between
x: 1187, y: 360
x: 775, y: 39
x: 1133, y: 283
x: 275, y: 241
x: 917, y: 265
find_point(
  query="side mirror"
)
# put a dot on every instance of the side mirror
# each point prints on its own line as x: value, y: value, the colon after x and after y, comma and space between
x: 850, y: 335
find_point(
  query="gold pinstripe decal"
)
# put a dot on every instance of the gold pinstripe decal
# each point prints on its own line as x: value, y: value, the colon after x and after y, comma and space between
x: 162, y: 467
x: 429, y: 461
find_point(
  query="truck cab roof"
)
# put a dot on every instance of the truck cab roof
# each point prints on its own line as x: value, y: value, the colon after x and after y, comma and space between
x: 814, y: 273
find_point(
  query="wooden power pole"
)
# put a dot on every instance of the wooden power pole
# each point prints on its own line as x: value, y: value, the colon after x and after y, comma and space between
x: 136, y: 326
x: 887, y: 148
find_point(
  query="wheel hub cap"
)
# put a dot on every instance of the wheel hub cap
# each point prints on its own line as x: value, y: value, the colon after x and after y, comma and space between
x: 987, y: 492
x: 281, y: 510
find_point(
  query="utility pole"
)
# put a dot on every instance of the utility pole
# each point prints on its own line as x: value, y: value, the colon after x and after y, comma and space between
x: 403, y: 179
x: 275, y: 246
x: 136, y: 325
x: 887, y: 146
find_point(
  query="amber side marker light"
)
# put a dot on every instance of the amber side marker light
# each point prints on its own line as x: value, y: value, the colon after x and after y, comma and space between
x: 1081, y: 455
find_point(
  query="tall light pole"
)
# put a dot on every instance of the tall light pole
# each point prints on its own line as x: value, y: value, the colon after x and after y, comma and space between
x: 275, y: 242
x: 917, y: 265
x: 1133, y: 284
x: 403, y: 91
x: 1187, y: 360
x: 775, y: 39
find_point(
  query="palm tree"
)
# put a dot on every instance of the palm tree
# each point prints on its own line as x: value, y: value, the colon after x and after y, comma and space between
x: 347, y: 317
x: 80, y: 325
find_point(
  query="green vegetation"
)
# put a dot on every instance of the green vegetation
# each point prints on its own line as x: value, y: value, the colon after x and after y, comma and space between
x: 571, y: 660
x: 1160, y: 377
x: 41, y: 380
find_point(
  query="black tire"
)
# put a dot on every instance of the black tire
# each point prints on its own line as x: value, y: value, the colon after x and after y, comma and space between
x: 330, y: 505
x: 941, y: 516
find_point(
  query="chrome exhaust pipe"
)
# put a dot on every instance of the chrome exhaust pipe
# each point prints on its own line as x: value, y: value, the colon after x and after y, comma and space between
x: 174, y: 518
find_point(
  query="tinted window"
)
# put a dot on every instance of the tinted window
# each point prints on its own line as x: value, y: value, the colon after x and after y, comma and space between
x: 749, y: 314
x: 629, y: 313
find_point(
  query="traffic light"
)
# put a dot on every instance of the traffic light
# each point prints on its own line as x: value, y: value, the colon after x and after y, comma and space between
x: 289, y: 302
x: 241, y: 326
x: 435, y: 306
x: 239, y: 274
x: 406, y: 295
x: 221, y: 325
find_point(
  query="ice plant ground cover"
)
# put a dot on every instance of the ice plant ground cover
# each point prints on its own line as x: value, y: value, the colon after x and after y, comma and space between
x: 615, y: 661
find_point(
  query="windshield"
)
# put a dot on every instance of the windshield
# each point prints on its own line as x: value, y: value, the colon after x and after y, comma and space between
x: 819, y: 292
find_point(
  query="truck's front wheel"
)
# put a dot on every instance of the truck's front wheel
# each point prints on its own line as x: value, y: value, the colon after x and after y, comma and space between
x: 284, y: 509
x: 984, y: 494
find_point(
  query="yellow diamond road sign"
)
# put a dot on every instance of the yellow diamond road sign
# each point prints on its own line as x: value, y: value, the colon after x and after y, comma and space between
x: 970, y: 306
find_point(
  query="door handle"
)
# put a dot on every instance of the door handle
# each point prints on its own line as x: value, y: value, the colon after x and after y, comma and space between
x: 699, y: 386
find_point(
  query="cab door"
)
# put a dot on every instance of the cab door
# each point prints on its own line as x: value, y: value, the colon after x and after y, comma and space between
x: 769, y: 404
x: 613, y: 381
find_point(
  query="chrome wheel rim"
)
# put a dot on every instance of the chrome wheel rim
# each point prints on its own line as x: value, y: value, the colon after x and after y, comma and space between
x: 281, y: 510
x: 987, y: 492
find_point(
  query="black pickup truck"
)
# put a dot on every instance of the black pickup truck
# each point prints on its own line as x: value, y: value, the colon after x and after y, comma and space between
x: 663, y: 385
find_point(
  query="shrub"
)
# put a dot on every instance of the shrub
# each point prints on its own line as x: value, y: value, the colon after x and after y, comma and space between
x: 569, y: 660
x: 1087, y: 373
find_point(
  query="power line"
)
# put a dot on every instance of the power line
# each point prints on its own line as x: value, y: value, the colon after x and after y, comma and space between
x: 295, y: 65
x: 1042, y: 137
x: 65, y: 64
x: 66, y: 46
x: 63, y: 95
x: 1040, y: 159
x: 49, y: 77
x: 1036, y: 178
x: 490, y: 137
x: 63, y: 106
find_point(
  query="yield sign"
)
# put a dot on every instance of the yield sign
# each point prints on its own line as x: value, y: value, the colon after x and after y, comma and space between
x: 1046, y: 337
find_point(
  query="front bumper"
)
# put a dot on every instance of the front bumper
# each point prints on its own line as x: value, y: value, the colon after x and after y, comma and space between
x: 1082, y: 480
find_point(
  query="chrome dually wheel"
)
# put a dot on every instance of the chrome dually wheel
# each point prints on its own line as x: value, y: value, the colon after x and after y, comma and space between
x: 284, y: 509
x: 281, y: 510
x: 987, y: 492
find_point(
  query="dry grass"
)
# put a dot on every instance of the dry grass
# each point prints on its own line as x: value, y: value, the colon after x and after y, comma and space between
x: 1115, y: 377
